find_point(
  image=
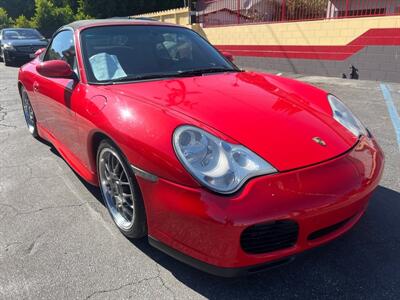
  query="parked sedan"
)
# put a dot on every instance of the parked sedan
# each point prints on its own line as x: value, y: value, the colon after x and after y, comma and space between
x: 230, y: 171
x: 20, y: 44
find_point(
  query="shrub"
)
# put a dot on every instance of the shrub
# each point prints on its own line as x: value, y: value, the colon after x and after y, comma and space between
x: 23, y: 22
x: 5, y: 20
x: 48, y: 18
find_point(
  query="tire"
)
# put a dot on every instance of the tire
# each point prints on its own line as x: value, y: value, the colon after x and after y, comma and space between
x: 6, y: 61
x: 120, y: 191
x: 29, y: 114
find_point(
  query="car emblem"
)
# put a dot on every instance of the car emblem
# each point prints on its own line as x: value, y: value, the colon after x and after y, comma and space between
x: 319, y: 141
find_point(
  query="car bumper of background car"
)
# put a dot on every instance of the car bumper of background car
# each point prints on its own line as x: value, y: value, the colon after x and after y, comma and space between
x: 297, y: 210
x: 17, y: 56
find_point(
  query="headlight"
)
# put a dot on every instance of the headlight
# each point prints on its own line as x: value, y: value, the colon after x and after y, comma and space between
x: 217, y: 164
x: 344, y: 116
x: 9, y: 47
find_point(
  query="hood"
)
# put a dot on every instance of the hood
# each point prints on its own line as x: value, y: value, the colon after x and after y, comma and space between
x: 275, y: 117
x: 27, y: 42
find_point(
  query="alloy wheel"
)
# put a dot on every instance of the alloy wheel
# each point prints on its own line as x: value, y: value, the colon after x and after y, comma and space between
x: 28, y: 112
x: 116, y: 188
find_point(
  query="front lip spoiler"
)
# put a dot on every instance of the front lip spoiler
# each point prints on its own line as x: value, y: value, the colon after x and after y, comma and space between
x: 215, y: 270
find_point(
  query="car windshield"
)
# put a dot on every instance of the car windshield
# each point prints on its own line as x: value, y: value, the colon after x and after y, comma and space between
x: 114, y: 54
x: 22, y: 34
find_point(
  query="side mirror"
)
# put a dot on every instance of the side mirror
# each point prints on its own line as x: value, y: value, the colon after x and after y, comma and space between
x: 54, y: 68
x: 39, y: 51
x: 228, y: 56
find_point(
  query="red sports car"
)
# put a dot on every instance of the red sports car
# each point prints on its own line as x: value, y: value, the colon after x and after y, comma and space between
x: 230, y: 171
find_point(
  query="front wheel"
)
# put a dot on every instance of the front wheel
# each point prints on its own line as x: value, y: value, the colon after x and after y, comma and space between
x: 7, y: 61
x: 120, y: 191
x: 29, y: 114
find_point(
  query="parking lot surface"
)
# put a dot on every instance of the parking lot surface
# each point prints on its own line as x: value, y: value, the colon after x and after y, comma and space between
x: 57, y: 240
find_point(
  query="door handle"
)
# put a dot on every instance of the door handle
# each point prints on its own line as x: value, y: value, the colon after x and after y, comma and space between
x: 35, y: 87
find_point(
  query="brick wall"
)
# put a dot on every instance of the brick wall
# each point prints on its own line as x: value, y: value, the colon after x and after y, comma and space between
x: 325, y: 47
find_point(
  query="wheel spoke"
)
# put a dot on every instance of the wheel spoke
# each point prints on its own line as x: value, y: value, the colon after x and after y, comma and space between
x: 126, y: 213
x: 117, y: 168
x: 107, y: 171
x: 127, y: 195
x: 121, y: 175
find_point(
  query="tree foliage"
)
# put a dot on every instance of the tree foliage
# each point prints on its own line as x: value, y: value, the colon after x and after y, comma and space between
x: 23, y: 22
x: 5, y: 20
x: 110, y: 8
x: 48, y: 15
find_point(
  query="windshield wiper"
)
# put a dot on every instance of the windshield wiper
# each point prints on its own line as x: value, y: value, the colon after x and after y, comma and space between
x: 197, y: 72
x: 186, y: 73
x: 141, y: 77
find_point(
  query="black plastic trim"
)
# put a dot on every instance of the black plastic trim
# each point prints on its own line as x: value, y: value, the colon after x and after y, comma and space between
x: 215, y: 270
x: 328, y: 230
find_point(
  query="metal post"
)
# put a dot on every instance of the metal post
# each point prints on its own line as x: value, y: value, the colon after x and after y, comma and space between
x: 347, y: 8
x: 283, y: 10
x: 238, y: 11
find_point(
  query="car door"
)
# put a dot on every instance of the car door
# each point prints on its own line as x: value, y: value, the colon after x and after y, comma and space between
x: 59, y: 97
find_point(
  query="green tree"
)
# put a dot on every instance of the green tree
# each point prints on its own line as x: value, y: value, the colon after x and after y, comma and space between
x: 23, y: 22
x: 5, y: 20
x: 48, y: 17
x: 112, y: 8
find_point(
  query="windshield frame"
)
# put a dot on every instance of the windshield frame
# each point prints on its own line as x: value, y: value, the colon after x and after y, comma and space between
x: 39, y: 35
x: 168, y: 76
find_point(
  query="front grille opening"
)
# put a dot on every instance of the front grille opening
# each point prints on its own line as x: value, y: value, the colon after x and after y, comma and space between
x: 327, y: 230
x: 269, y: 237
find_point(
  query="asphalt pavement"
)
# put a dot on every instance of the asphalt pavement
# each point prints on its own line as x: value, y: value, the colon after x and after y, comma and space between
x: 57, y: 240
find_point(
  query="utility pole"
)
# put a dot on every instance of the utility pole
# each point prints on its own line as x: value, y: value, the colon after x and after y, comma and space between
x: 192, y: 11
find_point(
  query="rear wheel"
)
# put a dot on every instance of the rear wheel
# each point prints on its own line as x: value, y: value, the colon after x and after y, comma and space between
x: 29, y: 114
x: 120, y: 191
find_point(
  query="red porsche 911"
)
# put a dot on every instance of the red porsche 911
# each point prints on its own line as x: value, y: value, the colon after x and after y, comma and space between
x: 230, y: 171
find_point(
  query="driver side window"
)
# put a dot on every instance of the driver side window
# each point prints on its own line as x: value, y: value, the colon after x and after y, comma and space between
x: 63, y: 48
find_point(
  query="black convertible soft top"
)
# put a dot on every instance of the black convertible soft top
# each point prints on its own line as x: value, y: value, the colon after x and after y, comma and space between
x: 113, y: 21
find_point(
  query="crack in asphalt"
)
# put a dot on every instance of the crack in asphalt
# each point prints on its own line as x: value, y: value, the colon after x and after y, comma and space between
x: 18, y: 212
x: 3, y: 115
x: 7, y: 246
x: 163, y: 282
x: 131, y: 284
x: 121, y: 287
x: 31, y: 247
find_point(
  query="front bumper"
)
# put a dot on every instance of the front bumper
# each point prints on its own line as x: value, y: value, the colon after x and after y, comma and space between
x: 207, y: 227
x: 17, y: 56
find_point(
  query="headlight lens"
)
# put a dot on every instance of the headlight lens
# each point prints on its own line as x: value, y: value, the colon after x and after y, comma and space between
x: 9, y: 47
x: 217, y: 164
x: 344, y: 116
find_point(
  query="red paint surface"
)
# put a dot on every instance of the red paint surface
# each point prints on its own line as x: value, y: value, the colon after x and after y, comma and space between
x: 273, y: 116
x: 373, y: 37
